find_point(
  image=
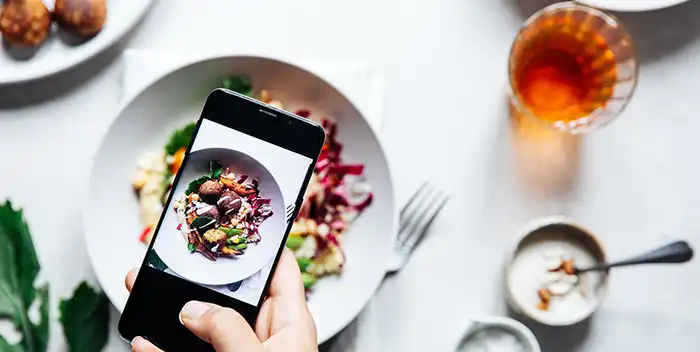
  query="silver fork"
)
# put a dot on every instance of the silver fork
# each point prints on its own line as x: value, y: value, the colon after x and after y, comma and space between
x: 414, y: 219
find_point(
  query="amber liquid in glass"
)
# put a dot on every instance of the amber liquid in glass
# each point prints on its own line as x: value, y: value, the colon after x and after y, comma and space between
x: 563, y: 70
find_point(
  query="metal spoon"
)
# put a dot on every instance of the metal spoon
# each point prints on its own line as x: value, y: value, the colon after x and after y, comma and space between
x: 676, y: 252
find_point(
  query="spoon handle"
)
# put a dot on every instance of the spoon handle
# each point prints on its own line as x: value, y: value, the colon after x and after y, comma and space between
x: 675, y: 252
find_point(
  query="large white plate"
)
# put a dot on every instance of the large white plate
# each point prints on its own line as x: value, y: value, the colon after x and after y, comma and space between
x: 172, y: 247
x: 111, y: 213
x: 631, y: 5
x: 56, y: 55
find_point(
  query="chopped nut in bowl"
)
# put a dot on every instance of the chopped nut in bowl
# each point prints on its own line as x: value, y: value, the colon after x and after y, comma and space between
x: 541, y: 282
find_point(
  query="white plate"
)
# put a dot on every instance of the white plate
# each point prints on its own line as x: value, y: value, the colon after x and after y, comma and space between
x: 111, y: 214
x: 172, y: 247
x: 55, y: 55
x: 631, y: 5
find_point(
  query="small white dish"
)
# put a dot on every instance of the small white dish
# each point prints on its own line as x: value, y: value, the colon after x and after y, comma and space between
x: 54, y: 55
x: 110, y: 215
x: 526, y: 272
x: 632, y: 5
x: 503, y: 327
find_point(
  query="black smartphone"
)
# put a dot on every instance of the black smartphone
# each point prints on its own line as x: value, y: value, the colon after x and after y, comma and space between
x: 226, y: 219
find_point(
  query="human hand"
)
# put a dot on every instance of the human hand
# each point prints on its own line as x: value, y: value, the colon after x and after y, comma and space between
x: 284, y: 322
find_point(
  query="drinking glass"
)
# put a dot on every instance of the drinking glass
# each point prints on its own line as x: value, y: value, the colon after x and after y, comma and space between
x: 572, y: 67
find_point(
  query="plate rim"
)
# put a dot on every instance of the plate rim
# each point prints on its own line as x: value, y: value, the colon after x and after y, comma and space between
x: 42, y: 73
x: 265, y: 56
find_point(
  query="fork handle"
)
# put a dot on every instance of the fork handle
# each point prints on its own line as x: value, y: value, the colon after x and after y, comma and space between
x: 396, y: 262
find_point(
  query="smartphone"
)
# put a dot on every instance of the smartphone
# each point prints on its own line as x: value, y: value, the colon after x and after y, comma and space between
x: 226, y: 219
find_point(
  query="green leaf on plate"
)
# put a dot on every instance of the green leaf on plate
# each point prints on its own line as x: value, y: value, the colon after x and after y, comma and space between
x: 215, y: 169
x: 238, y: 84
x: 191, y: 247
x: 203, y: 223
x: 180, y: 139
x: 193, y: 186
x: 85, y: 319
x: 19, y: 268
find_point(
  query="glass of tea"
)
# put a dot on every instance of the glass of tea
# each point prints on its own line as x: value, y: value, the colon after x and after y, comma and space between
x: 572, y: 67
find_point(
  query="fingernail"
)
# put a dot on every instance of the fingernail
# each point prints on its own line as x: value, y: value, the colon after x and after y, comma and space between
x: 193, y: 310
x: 139, y: 343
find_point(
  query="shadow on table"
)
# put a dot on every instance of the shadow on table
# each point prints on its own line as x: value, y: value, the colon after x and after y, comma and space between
x: 655, y: 33
x: 53, y: 86
x: 556, y: 339
x: 548, y: 161
x: 663, y: 32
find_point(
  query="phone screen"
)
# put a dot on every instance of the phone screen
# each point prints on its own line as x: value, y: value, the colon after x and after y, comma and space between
x: 226, y: 219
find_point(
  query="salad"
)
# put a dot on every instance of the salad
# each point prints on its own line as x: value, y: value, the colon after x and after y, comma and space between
x: 154, y: 177
x: 336, y: 196
x: 220, y: 213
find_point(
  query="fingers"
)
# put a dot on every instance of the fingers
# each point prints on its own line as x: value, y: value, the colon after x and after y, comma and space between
x: 130, y: 278
x: 139, y: 344
x: 224, y: 328
x: 287, y: 280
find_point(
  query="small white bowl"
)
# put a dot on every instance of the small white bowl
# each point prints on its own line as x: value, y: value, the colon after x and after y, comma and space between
x: 557, y: 229
x: 518, y: 330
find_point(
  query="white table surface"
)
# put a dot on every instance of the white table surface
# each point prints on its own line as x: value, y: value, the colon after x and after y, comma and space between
x: 444, y: 64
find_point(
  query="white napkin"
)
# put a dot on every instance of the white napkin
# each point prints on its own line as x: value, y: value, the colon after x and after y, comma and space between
x: 355, y: 79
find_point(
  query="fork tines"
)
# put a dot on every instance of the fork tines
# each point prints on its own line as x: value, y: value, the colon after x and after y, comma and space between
x: 418, y: 214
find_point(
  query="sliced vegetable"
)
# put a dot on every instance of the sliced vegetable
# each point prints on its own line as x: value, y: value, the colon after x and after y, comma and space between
x: 303, y: 113
x: 144, y: 234
x: 294, y: 242
x: 239, y: 246
x: 309, y: 280
x: 303, y: 263
x: 230, y: 232
x: 178, y: 157
x: 191, y: 247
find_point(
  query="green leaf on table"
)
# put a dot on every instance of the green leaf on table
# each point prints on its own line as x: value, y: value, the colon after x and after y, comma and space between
x: 215, y: 169
x: 238, y: 84
x: 19, y: 268
x: 85, y: 319
x: 180, y: 139
x: 155, y: 261
x: 193, y: 186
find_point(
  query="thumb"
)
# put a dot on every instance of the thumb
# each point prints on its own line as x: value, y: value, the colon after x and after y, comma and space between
x: 223, y: 327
